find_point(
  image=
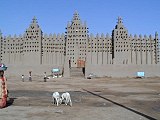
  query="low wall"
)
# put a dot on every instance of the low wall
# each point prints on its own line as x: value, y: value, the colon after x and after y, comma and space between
x: 109, y: 70
x: 122, y: 70
x: 18, y: 70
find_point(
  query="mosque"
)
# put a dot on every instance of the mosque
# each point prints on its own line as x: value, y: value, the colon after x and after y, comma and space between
x: 118, y: 54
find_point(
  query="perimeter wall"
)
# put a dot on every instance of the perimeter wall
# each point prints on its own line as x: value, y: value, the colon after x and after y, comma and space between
x: 112, y: 70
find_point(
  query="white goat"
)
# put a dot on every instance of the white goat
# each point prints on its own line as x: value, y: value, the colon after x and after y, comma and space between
x: 66, y: 98
x: 56, y: 98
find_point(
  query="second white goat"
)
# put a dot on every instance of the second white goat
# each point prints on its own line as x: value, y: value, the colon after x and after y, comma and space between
x: 66, y: 98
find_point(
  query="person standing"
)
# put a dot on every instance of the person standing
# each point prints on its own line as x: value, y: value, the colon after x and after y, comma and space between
x: 45, y: 77
x: 30, y: 78
x: 3, y: 90
x: 22, y: 78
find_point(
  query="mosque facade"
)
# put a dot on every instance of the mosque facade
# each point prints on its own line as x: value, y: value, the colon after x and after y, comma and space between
x: 81, y: 49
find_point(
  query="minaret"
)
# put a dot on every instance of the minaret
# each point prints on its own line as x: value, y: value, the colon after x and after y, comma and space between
x: 32, y: 45
x: 121, y: 44
x: 157, y: 47
x: 76, y: 41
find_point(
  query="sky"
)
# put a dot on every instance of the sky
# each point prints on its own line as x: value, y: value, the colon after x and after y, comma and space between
x: 139, y: 16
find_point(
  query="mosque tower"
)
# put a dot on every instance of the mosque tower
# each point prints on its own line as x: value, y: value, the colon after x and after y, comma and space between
x: 121, y: 44
x: 76, y: 41
x: 32, y: 46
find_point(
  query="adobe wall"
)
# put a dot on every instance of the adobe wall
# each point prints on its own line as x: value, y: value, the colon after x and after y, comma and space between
x: 37, y: 70
x: 112, y: 70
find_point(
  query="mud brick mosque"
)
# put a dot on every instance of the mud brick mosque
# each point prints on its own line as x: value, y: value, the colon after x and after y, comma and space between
x: 118, y: 54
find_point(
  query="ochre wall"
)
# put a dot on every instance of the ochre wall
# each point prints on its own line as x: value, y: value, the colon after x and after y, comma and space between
x: 112, y: 70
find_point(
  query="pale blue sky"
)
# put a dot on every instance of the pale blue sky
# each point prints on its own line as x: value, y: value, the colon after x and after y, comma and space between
x: 139, y: 16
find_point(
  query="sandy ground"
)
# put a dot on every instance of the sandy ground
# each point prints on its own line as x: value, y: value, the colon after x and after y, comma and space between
x: 93, y: 99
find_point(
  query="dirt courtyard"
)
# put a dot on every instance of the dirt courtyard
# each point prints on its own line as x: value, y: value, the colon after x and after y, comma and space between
x: 93, y: 99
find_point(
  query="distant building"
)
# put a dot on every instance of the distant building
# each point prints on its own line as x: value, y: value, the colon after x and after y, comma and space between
x: 80, y: 49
